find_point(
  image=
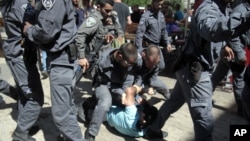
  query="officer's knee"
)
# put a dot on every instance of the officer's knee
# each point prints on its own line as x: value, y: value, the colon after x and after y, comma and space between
x: 104, y: 103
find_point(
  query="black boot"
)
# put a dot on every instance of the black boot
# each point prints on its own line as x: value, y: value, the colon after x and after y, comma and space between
x: 88, y: 136
x: 19, y: 135
x: 61, y: 137
x: 150, y: 134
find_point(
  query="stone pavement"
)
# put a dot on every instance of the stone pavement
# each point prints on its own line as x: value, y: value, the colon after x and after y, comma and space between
x: 179, y: 126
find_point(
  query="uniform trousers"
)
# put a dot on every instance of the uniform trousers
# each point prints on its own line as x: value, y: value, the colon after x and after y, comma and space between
x: 199, y: 99
x: 238, y: 71
x: 104, y: 101
x: 62, y: 81
x: 27, y: 79
x: 246, y: 96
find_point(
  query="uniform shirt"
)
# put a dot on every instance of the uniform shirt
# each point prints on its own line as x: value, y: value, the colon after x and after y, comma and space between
x: 209, y: 24
x: 152, y: 28
x: 13, y: 22
x: 55, y: 28
x: 124, y: 120
x: 115, y: 77
x: 93, y: 28
x: 144, y: 75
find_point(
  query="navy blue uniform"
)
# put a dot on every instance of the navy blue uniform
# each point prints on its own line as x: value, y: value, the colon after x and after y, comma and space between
x: 111, y: 82
x: 236, y: 66
x: 54, y: 32
x: 148, y: 77
x: 21, y: 59
x: 209, y: 24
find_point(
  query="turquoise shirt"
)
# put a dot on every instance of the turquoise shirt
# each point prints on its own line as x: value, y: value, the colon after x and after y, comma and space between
x: 124, y: 120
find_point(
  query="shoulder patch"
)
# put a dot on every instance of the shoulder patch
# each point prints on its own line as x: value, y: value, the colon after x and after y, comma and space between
x: 90, y: 21
x: 24, y: 6
x: 48, y: 4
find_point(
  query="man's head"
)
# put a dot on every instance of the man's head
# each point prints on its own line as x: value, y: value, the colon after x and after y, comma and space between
x: 156, y: 5
x: 75, y: 3
x: 127, y: 55
x: 147, y: 115
x: 105, y: 7
x: 135, y: 8
x: 151, y: 56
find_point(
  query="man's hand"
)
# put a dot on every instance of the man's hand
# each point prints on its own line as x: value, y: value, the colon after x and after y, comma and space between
x: 25, y: 28
x: 120, y: 39
x: 169, y: 48
x: 138, y: 88
x: 227, y: 53
x: 84, y: 63
x: 109, y: 38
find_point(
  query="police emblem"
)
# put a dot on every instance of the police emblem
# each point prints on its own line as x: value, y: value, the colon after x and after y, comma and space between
x: 90, y: 21
x: 48, y: 4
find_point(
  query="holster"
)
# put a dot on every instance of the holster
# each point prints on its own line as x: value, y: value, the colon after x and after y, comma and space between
x: 72, y: 52
x: 195, y: 67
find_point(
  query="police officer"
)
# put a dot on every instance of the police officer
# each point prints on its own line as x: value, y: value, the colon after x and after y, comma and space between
x: 152, y: 29
x: 112, y: 77
x: 237, y: 65
x: 54, y: 32
x: 97, y: 32
x: 21, y: 58
x: 193, y: 85
x: 245, y: 38
x: 238, y: 70
x: 146, y: 72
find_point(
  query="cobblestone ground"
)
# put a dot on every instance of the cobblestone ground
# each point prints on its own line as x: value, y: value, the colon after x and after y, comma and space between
x: 179, y: 126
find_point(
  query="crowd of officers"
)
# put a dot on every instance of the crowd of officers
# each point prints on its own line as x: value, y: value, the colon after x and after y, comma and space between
x: 122, y: 73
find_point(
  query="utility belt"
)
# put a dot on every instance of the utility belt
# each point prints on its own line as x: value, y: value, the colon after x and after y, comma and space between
x: 189, y: 60
x: 70, y: 49
x: 146, y: 43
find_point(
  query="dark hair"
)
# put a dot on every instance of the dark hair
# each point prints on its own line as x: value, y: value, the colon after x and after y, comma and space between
x: 150, y: 115
x: 128, y: 51
x: 103, y: 2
